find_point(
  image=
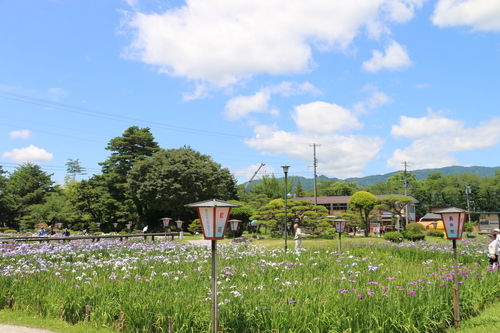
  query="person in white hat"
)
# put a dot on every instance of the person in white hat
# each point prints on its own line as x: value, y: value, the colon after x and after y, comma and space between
x: 496, y: 232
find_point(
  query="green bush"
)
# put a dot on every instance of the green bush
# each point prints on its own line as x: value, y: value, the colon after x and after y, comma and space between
x: 415, y: 225
x: 10, y: 231
x: 470, y: 235
x: 413, y: 234
x: 436, y: 233
x: 469, y: 226
x: 394, y: 236
x: 2, y: 229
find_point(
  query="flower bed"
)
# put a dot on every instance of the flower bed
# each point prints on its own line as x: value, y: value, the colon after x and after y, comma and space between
x: 373, y: 287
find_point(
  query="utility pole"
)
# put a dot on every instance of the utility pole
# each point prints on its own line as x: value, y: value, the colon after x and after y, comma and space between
x: 315, y: 163
x: 406, y: 184
x: 467, y: 192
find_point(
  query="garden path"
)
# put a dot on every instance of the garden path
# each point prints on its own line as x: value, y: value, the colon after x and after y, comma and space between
x: 20, y: 329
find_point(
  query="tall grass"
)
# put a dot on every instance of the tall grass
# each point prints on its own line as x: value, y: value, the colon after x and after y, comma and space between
x: 371, y: 287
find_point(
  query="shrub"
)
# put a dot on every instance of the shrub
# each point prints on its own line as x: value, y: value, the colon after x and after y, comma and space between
x: 413, y: 234
x: 415, y: 225
x: 10, y: 231
x: 470, y: 235
x: 393, y: 236
x: 436, y: 233
x: 469, y: 226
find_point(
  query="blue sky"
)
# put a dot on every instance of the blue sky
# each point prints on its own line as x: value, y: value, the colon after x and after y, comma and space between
x: 371, y: 83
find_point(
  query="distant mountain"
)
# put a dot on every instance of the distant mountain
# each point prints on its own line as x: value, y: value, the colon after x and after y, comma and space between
x: 308, y: 183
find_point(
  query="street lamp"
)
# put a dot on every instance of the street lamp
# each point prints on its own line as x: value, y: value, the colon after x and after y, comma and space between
x: 213, y: 215
x: 234, y: 227
x: 340, y: 228
x: 166, y: 223
x: 179, y: 226
x: 285, y: 230
x: 454, y: 222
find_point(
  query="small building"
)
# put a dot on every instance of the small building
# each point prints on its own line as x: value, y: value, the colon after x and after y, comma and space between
x: 488, y: 221
x: 337, y: 205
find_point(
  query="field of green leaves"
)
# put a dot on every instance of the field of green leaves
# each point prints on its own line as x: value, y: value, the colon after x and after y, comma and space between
x: 371, y: 287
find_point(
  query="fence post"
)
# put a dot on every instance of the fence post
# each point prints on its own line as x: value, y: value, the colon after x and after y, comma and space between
x: 9, y: 301
x: 170, y: 326
x: 61, y: 311
x: 38, y: 306
x: 122, y: 321
x: 87, y: 313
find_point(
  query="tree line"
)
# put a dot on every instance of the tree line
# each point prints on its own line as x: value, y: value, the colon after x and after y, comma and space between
x: 140, y: 183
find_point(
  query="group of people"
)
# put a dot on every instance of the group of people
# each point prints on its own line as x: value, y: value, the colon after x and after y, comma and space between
x: 43, y: 232
x: 494, y: 246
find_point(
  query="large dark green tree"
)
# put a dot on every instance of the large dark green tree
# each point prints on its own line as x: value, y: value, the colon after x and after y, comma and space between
x: 172, y: 178
x: 136, y: 144
x: 28, y: 185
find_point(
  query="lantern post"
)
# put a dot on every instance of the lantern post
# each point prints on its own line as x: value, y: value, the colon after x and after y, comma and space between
x: 340, y: 228
x: 179, y: 226
x: 214, y: 215
x: 285, y: 224
x: 454, y: 222
x: 234, y: 227
x: 166, y: 223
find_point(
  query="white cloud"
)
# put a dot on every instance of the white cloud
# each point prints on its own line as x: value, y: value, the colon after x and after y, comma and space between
x: 478, y: 14
x: 224, y: 41
x: 338, y: 156
x: 324, y: 118
x: 28, y: 154
x: 23, y: 134
x: 319, y: 122
x: 241, y: 106
x: 395, y: 58
x: 375, y: 100
x: 433, y: 124
x: 436, y: 139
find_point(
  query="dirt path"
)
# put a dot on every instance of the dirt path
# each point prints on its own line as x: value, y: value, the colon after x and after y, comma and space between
x: 20, y: 329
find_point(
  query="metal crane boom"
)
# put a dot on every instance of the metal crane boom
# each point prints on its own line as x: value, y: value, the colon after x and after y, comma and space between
x: 255, y: 174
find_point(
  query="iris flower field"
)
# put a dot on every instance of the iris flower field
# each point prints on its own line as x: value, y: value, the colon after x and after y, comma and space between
x: 370, y: 287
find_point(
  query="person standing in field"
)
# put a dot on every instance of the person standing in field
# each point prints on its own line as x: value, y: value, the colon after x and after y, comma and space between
x: 297, y: 237
x: 493, y: 249
x: 145, y: 229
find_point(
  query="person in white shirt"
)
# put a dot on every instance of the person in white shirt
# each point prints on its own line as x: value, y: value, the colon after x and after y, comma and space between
x: 145, y: 229
x: 297, y: 237
x: 493, y: 249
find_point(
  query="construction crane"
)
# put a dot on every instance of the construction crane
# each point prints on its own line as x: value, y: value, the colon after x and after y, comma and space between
x: 255, y: 174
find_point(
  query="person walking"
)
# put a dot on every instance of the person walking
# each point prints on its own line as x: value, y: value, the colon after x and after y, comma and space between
x: 42, y: 232
x: 298, y: 237
x: 145, y: 229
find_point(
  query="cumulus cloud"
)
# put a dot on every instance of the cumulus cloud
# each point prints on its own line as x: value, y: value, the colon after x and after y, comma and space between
x: 320, y: 122
x: 394, y: 58
x: 241, y: 106
x: 224, y: 41
x: 375, y: 100
x: 436, y: 138
x: 324, y: 118
x: 23, y: 134
x: 28, y: 154
x: 480, y: 15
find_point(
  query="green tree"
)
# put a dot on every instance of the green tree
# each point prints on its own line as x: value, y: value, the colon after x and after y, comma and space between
x: 272, y: 187
x: 172, y: 178
x: 73, y: 168
x: 363, y: 202
x: 336, y: 188
x: 136, y: 144
x: 397, y: 204
x: 303, y: 212
x: 28, y: 185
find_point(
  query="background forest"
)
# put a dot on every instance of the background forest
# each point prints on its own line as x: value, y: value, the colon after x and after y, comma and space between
x: 141, y: 182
